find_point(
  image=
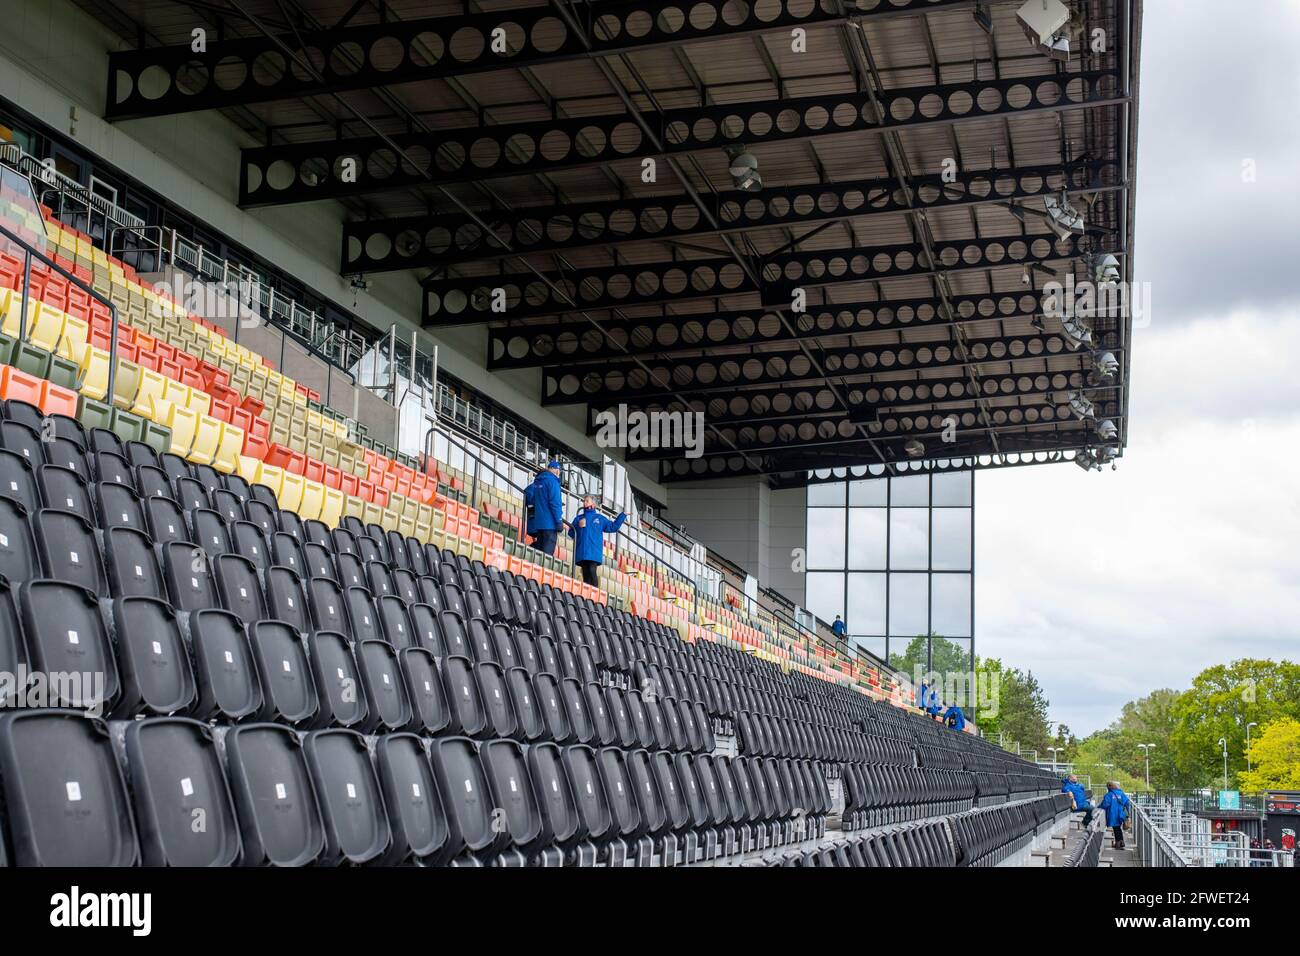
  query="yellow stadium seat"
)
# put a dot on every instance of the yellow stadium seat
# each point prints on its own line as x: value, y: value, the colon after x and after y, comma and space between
x: 371, y: 513
x: 331, y: 511
x: 126, y: 384
x: 93, y: 372
x: 353, y: 507
x: 152, y: 385
x: 271, y: 476
x: 11, y: 303
x: 75, y: 334
x: 184, y: 425
x: 406, y: 526
x: 199, y: 401
x: 248, y: 468
x: 207, y: 437
x: 313, y: 499
x: 45, y: 326
x: 291, y: 489
x: 423, y: 531
x: 228, y: 448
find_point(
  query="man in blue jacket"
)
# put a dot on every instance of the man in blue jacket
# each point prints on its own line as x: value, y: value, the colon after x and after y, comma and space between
x: 954, y: 717
x: 544, y: 503
x: 934, y: 706
x: 588, y: 529
x: 1115, y: 806
x: 1074, y: 788
x: 839, y: 628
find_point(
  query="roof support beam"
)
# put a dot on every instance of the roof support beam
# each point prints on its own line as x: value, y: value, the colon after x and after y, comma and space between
x: 519, y: 296
x: 433, y: 241
x: 617, y: 383
x: 342, y: 168
x: 159, y: 81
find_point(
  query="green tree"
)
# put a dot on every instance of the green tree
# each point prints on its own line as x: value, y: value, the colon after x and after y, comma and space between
x: 1275, y: 758
x: 946, y: 657
x: 1220, y: 703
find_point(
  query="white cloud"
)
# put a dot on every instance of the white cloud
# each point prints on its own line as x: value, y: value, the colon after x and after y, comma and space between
x: 1109, y: 585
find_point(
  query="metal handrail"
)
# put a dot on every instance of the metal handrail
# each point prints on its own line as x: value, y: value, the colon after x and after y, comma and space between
x: 30, y: 253
x: 1154, y: 847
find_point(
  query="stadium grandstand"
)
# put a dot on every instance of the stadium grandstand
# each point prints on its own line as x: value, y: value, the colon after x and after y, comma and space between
x: 298, y: 296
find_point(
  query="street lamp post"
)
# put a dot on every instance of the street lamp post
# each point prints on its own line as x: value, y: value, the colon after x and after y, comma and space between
x: 1248, y: 726
x: 1223, y: 742
x: 1146, y: 751
x: 1054, y: 752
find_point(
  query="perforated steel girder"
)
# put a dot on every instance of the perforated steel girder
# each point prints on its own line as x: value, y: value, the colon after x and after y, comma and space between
x: 468, y: 301
x: 409, y: 242
x: 815, y: 402
x: 530, y: 346
x: 618, y: 382
x: 158, y: 81
x: 301, y: 172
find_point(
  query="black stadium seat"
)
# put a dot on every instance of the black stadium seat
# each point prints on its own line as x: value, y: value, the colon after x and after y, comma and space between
x: 65, y: 800
x: 182, y: 801
x: 279, y: 816
x: 351, y: 803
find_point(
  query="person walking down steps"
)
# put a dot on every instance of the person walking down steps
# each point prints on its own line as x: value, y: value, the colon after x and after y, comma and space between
x: 588, y: 529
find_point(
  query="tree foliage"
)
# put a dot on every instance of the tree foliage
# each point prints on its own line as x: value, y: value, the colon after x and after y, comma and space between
x: 1275, y: 758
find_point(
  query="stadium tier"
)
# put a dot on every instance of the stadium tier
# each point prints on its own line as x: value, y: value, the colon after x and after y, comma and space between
x: 237, y: 628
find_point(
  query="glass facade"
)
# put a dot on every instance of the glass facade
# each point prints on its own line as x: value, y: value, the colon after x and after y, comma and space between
x: 895, y: 558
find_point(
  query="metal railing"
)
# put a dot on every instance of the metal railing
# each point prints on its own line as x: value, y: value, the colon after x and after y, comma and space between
x: 1153, y: 846
x: 1168, y: 833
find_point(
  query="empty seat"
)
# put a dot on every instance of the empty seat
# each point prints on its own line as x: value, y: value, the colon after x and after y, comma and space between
x: 515, y: 800
x: 133, y: 568
x: 363, y: 620
x: 285, y: 599
x: 67, y: 636
x: 325, y: 599
x: 239, y: 587
x: 182, y: 801
x: 118, y: 506
x: 164, y: 520
x: 381, y: 681
x: 18, y: 481
x: 464, y: 703
x: 279, y: 816
x: 246, y: 540
x: 223, y: 665
x: 68, y: 550
x: 65, y: 801
x: 18, y: 555
x: 156, y: 676
x: 467, y: 797
x: 417, y: 821
x: 63, y: 489
x: 352, y: 807
x: 341, y: 700
x: 595, y: 818
x: 288, y: 690
x: 419, y: 668
x: 286, y: 551
x: 208, y: 530
x: 496, y: 700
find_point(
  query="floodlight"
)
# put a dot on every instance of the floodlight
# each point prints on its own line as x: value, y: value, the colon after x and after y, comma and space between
x: 1105, y: 269
x: 1046, y: 24
x: 1081, y: 405
x: 1076, y: 331
x: 915, y: 448
x: 1105, y: 366
x: 1106, y: 430
x: 1062, y: 217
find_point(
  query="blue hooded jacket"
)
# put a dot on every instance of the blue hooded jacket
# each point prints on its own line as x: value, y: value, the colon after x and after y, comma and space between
x: 590, y: 539
x: 1076, y: 791
x: 547, y: 501
x: 1115, y: 803
x: 932, y: 706
x: 954, y: 718
x: 921, y: 694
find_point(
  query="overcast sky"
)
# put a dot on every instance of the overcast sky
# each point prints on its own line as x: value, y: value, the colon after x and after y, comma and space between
x: 1108, y: 585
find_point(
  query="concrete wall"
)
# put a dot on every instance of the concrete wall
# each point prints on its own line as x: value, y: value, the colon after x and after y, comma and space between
x: 750, y: 524
x: 53, y: 64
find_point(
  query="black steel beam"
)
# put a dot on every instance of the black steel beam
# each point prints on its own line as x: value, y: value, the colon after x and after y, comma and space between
x: 342, y: 168
x: 463, y: 301
x: 159, y: 81
x: 435, y: 241
x: 621, y: 382
x: 759, y: 439
x: 813, y: 403
x: 533, y: 346
x: 1053, y: 445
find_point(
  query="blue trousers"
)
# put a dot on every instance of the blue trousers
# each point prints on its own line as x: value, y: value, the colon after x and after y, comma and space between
x: 544, y: 541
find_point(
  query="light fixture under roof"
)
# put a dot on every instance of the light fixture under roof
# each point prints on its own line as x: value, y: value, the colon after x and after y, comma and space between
x: 1081, y: 405
x: 743, y: 166
x: 1062, y: 217
x: 1107, y: 430
x: 1076, y: 331
x: 915, y: 447
x: 1047, y: 25
x: 1105, y: 366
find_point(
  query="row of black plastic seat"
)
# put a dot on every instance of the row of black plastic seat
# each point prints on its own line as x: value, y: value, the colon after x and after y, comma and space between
x: 876, y: 794
x: 1087, y: 852
x: 172, y: 791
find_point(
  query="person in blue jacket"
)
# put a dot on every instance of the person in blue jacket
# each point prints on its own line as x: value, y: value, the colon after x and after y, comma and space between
x: 954, y: 718
x: 1115, y: 806
x: 934, y: 706
x: 1074, y: 788
x: 922, y: 692
x: 839, y: 628
x: 544, y: 500
x: 588, y: 529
